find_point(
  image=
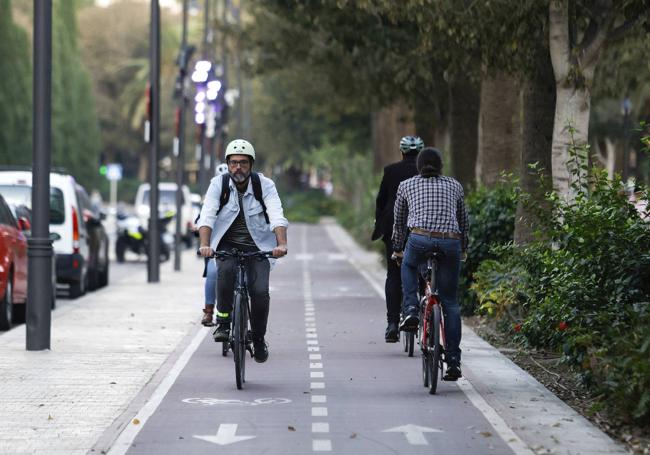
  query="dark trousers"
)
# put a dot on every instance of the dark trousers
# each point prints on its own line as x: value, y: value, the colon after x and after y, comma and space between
x: 393, y: 287
x: 447, y: 279
x: 257, y: 281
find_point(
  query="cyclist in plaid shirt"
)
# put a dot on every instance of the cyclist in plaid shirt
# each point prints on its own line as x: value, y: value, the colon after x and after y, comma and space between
x: 430, y: 208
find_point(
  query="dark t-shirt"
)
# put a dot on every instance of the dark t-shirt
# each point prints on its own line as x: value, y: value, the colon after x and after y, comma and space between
x: 237, y: 233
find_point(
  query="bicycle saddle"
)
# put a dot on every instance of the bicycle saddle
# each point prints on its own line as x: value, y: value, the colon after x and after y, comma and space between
x: 435, y: 253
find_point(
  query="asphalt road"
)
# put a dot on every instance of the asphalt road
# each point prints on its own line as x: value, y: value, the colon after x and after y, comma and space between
x: 331, y: 384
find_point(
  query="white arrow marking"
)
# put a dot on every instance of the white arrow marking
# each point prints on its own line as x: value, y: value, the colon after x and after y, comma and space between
x: 225, y: 435
x: 414, y: 433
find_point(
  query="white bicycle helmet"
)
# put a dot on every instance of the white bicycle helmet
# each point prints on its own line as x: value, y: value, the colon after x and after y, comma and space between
x: 411, y: 144
x: 222, y: 169
x: 240, y: 147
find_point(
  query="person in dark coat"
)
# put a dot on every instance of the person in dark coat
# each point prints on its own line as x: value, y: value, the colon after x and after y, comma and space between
x: 394, y: 174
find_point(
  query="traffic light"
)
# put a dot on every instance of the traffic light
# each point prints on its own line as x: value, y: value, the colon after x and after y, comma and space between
x: 102, y: 163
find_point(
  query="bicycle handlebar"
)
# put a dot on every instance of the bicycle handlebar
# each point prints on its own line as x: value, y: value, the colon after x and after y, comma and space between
x: 238, y: 253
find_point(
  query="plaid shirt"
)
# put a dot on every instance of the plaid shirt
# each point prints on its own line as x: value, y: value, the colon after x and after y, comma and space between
x: 430, y: 203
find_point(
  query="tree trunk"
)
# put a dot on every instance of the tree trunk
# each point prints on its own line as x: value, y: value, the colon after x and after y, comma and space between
x: 499, y: 135
x: 388, y: 126
x: 537, y: 137
x: 573, y: 76
x: 463, y: 125
x: 571, y: 114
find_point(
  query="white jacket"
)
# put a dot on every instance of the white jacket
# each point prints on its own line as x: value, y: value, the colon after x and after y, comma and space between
x: 262, y: 233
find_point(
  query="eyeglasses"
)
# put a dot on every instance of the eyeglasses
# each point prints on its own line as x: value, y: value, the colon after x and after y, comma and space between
x: 241, y: 163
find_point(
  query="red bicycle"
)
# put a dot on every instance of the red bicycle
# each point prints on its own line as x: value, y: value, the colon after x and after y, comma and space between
x: 432, y: 326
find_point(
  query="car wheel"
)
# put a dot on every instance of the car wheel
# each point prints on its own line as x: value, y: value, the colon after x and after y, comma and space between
x: 78, y: 289
x: 6, y: 306
x: 103, y: 276
x: 120, y: 249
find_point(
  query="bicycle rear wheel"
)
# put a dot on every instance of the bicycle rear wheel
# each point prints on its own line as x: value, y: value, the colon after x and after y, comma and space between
x: 435, y: 350
x: 240, y: 329
x: 423, y: 348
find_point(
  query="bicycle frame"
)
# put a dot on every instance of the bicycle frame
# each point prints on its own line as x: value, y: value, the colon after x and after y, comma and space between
x: 431, y: 298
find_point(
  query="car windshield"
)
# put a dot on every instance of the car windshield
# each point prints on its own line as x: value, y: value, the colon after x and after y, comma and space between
x: 165, y: 197
x: 22, y: 195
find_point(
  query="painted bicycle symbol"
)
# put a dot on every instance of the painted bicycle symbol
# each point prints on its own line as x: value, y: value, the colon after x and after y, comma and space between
x: 222, y: 401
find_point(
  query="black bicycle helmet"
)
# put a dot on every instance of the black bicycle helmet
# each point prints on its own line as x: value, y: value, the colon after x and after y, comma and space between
x: 411, y: 144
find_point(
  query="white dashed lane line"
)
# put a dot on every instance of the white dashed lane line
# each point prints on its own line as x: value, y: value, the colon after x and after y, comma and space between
x: 320, y: 428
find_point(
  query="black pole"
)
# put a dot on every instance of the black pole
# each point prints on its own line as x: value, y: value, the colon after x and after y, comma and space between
x: 39, y: 301
x: 180, y: 159
x: 153, y: 258
x: 204, y: 141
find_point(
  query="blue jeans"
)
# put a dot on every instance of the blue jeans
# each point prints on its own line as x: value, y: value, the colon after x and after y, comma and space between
x: 211, y: 283
x: 447, y: 279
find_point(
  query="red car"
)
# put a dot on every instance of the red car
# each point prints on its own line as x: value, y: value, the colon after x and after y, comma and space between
x: 13, y: 266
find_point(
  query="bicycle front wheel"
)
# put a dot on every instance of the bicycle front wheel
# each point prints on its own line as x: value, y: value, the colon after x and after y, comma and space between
x: 435, y: 350
x: 240, y: 329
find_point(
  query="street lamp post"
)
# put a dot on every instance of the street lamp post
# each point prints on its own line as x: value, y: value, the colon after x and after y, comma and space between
x: 153, y: 252
x: 184, y: 58
x: 39, y: 295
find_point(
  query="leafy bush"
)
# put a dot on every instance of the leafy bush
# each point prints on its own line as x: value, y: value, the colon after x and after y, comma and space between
x: 492, y: 222
x: 583, y: 291
x: 308, y: 206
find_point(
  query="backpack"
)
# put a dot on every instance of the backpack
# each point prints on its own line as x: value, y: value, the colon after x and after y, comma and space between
x: 225, y: 194
x: 257, y: 192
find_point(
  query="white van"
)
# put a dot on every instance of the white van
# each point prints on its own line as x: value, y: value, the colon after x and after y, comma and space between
x: 67, y: 226
x: 167, y: 203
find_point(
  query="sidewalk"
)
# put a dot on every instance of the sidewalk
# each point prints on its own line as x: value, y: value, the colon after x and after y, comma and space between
x: 111, y: 347
x: 105, y: 347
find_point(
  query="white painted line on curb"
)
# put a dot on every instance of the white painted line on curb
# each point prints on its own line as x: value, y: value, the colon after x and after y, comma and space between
x: 509, y: 436
x: 126, y: 438
x: 315, y: 365
x: 312, y: 341
x: 316, y: 374
x: 319, y: 399
x: 317, y: 385
x: 315, y: 356
x: 313, y: 348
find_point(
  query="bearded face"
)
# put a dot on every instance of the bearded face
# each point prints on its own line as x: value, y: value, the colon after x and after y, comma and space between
x: 239, y: 175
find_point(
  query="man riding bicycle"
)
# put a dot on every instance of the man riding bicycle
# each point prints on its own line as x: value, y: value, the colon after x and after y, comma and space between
x: 430, y: 208
x: 247, y: 224
x: 394, y: 174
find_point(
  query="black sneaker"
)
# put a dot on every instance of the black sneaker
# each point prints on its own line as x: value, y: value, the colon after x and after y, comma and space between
x: 222, y: 332
x: 453, y: 373
x: 409, y: 323
x: 392, y: 333
x: 260, y: 350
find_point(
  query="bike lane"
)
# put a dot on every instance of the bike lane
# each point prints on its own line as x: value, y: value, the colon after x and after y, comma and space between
x: 376, y: 399
x: 331, y: 384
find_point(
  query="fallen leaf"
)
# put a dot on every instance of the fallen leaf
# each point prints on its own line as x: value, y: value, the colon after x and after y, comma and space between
x: 136, y: 422
x: 49, y: 417
x: 290, y: 428
x: 353, y: 435
x: 487, y: 434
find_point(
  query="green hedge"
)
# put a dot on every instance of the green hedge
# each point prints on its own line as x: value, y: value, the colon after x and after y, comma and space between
x: 492, y: 221
x: 583, y: 291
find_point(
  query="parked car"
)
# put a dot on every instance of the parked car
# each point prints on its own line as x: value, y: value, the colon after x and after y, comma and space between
x: 167, y: 203
x: 80, y: 240
x: 13, y: 267
x: 22, y: 211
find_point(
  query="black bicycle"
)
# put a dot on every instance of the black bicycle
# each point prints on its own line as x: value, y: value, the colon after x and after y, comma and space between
x: 239, y: 341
